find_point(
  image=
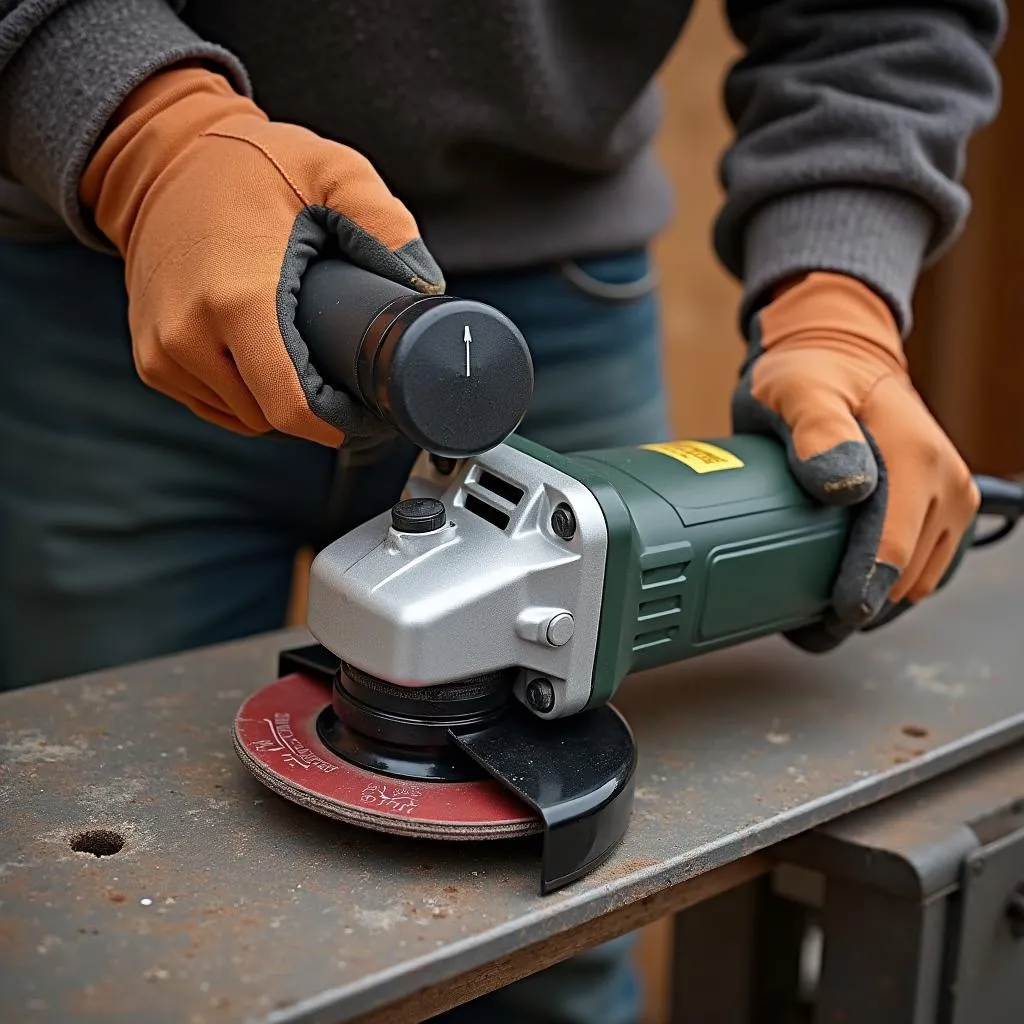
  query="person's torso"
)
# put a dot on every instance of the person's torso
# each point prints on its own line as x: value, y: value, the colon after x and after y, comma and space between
x: 443, y: 96
x: 466, y: 106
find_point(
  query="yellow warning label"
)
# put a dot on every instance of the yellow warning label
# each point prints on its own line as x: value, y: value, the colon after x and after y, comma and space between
x: 700, y: 456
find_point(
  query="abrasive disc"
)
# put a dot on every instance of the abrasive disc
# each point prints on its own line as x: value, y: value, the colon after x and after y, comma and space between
x: 276, y: 738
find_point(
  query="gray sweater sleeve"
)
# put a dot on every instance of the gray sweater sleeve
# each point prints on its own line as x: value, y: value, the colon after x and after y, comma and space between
x: 852, y: 120
x: 65, y: 66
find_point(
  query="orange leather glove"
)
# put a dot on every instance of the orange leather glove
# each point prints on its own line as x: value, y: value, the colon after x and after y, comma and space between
x: 217, y: 211
x: 827, y: 373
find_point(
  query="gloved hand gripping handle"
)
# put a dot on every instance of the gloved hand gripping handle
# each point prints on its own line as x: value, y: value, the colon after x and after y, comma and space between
x: 454, y: 376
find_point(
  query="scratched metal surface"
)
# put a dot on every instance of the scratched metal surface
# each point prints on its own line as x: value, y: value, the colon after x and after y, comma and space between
x: 228, y: 904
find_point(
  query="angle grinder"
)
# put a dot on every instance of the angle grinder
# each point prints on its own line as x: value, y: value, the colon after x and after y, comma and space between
x: 472, y: 633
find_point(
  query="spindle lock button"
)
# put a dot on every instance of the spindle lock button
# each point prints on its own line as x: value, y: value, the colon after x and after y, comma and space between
x: 418, y: 515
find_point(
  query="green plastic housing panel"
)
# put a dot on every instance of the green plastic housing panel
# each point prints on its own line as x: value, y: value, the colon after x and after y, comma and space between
x: 716, y: 557
x: 703, y: 554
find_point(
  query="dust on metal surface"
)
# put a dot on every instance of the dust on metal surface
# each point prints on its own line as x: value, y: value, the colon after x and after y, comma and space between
x: 227, y: 903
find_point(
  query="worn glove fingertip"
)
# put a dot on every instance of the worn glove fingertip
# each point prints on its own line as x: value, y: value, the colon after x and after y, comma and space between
x: 846, y: 474
x: 859, y: 596
x: 425, y: 275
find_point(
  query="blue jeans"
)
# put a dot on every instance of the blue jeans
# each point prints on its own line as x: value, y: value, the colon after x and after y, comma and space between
x: 129, y: 528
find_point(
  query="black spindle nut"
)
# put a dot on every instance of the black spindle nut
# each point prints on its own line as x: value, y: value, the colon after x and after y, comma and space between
x: 563, y: 522
x: 540, y: 695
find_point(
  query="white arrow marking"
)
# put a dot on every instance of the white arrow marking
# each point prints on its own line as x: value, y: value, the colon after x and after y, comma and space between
x: 468, y: 339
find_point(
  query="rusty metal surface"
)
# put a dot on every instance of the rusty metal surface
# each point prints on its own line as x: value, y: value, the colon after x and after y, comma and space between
x: 226, y: 904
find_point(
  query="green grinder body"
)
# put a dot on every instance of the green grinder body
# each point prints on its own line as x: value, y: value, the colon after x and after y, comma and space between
x: 711, y: 543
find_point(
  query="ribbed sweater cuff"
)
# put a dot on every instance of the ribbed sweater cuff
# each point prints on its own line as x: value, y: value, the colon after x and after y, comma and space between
x: 877, y: 236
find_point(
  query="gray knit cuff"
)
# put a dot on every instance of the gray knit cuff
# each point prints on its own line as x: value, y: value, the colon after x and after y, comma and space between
x: 875, y: 235
x: 69, y: 77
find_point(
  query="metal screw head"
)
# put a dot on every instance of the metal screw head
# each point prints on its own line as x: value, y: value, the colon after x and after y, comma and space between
x: 1015, y: 912
x: 563, y: 522
x: 540, y: 695
x: 560, y: 629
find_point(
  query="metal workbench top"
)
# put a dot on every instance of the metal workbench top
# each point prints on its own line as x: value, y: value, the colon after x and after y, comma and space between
x: 226, y: 903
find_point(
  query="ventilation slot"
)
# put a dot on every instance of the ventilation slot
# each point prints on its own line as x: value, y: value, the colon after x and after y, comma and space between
x: 655, y: 638
x: 662, y: 574
x: 500, y: 487
x: 656, y: 609
x: 487, y: 512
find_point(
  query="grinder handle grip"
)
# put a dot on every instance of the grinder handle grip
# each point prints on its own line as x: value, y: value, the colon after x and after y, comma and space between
x: 454, y: 376
x: 337, y: 302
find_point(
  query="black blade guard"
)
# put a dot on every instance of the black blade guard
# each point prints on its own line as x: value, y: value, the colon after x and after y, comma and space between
x: 577, y: 773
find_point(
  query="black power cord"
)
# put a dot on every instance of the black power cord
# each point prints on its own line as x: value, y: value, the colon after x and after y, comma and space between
x: 1001, y: 498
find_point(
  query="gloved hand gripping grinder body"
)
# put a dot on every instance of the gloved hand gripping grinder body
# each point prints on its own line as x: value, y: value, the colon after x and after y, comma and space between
x: 828, y: 376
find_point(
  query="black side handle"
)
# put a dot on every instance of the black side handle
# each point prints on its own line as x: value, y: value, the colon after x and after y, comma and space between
x: 452, y: 375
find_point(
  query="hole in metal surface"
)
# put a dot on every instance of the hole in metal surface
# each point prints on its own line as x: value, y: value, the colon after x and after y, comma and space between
x: 486, y: 512
x: 510, y: 492
x: 100, y: 842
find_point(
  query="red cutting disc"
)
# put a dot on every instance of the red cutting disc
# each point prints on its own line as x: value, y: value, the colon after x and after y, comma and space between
x: 275, y: 736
